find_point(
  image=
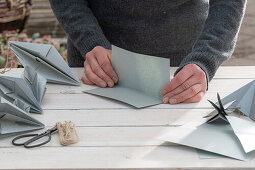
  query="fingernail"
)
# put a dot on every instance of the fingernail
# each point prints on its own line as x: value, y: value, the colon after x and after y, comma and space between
x: 102, y: 84
x: 172, y: 101
x: 110, y: 84
x: 114, y: 79
x: 165, y: 100
x: 163, y: 92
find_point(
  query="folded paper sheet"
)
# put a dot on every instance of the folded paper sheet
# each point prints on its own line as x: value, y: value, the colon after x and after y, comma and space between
x: 14, y: 120
x: 245, y: 132
x: 141, y: 78
x: 244, y: 100
x: 208, y: 155
x: 28, y: 87
x: 220, y: 114
x: 223, y: 134
x: 46, y: 60
x: 215, y: 138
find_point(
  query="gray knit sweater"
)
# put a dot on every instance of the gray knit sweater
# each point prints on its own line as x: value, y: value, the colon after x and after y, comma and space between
x: 202, y: 32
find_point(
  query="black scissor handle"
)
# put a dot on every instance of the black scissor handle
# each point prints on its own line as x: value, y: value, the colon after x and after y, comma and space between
x: 14, y: 141
x: 35, y: 137
x: 28, y: 143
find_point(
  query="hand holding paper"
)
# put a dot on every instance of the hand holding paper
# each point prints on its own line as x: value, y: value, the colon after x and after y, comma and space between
x: 188, y: 86
x: 98, y: 68
x: 141, y: 78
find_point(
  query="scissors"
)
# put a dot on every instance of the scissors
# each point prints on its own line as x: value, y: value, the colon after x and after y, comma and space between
x: 35, y: 137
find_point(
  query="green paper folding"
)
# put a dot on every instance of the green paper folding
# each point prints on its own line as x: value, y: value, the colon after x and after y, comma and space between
x: 46, y: 60
x: 14, y: 120
x: 220, y: 115
x: 28, y: 87
x: 219, y: 138
x: 141, y: 78
x: 223, y: 134
x: 243, y: 100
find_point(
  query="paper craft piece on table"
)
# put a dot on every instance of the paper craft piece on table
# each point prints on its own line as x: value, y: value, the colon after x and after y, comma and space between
x: 215, y: 138
x: 141, y: 78
x: 46, y: 60
x: 14, y: 120
x: 23, y: 106
x: 244, y: 100
x: 245, y: 132
x: 208, y: 155
x: 220, y: 114
x: 28, y: 87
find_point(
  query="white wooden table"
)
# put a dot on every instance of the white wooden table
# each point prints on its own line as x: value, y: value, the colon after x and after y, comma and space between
x: 115, y: 135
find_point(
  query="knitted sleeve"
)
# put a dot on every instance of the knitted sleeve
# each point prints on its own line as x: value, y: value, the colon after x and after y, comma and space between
x: 80, y: 24
x: 218, y: 38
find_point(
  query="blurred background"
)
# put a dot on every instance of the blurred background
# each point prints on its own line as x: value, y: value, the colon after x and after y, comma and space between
x: 41, y: 26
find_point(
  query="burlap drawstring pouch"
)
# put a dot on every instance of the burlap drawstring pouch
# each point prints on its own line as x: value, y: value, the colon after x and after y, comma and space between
x: 67, y: 133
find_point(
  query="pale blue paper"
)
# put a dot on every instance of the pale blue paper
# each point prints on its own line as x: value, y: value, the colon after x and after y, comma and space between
x: 46, y: 60
x: 141, y: 78
x: 208, y: 155
x: 28, y: 87
x: 14, y: 120
x: 215, y: 138
x: 244, y: 99
x: 245, y: 132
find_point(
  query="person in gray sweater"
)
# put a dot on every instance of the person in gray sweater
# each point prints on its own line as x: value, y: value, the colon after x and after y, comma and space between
x: 197, y: 36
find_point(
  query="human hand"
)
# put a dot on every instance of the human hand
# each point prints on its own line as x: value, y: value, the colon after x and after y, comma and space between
x: 188, y: 86
x: 98, y: 68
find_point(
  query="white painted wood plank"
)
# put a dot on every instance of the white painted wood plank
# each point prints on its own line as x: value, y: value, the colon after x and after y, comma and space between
x: 109, y: 136
x: 223, y: 72
x: 118, y: 127
x: 112, y: 157
x: 229, y: 72
x: 136, y: 127
x: 216, y: 85
x: 88, y: 101
x: 122, y: 117
x: 115, y: 128
x: 227, y: 85
x: 233, y: 72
